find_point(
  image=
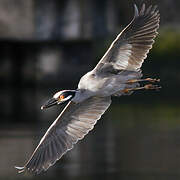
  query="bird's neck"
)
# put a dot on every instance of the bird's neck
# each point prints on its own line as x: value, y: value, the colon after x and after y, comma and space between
x: 81, y: 95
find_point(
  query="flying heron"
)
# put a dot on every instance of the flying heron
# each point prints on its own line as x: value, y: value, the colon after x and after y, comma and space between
x: 117, y: 73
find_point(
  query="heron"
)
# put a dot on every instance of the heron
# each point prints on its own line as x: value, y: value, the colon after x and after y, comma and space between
x: 117, y: 73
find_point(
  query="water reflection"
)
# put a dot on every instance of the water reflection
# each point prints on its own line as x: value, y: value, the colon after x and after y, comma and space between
x: 132, y: 141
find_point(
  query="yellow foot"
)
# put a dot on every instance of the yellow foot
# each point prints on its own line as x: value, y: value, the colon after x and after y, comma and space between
x: 151, y: 80
x: 143, y: 80
x: 151, y: 86
x: 126, y: 90
x: 147, y: 87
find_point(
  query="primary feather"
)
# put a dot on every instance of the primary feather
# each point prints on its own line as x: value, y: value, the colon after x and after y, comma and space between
x: 122, y: 62
x: 130, y: 48
x: 75, y: 121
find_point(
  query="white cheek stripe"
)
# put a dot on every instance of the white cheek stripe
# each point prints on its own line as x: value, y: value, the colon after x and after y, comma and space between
x: 65, y: 99
x: 57, y: 95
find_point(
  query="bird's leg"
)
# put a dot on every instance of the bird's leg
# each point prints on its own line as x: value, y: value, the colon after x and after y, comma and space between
x: 143, y: 80
x: 148, y: 86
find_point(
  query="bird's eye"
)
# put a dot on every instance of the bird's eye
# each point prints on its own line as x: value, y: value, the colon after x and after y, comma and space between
x: 61, y: 97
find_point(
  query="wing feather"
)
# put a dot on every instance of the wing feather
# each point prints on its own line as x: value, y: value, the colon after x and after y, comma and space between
x: 71, y: 125
x: 130, y: 48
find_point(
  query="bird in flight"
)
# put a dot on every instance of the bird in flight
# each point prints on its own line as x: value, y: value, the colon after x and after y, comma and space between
x: 117, y: 73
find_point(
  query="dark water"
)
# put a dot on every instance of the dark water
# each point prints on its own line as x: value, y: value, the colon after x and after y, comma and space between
x: 131, y: 141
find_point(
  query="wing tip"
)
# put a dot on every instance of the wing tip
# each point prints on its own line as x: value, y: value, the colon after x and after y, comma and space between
x: 136, y: 11
x: 144, y: 10
x: 30, y: 170
x: 20, y: 169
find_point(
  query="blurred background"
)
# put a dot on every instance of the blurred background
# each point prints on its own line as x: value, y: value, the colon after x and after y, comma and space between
x: 46, y: 46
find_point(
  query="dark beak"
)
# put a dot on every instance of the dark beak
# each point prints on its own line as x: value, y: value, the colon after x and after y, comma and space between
x: 50, y: 103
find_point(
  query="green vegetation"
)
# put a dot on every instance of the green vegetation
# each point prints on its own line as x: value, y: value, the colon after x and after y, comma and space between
x: 167, y: 42
x: 154, y: 116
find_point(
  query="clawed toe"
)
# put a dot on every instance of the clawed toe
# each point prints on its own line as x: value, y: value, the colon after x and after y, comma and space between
x: 131, y: 81
x: 152, y: 80
x: 151, y: 86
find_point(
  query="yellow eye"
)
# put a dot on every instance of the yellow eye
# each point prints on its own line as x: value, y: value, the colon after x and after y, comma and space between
x: 61, y: 97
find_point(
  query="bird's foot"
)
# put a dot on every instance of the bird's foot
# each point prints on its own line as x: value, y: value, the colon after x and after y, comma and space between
x: 143, y: 80
x: 151, y: 86
x: 146, y: 87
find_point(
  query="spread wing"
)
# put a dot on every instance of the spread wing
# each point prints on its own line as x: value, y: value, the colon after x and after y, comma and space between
x: 130, y: 48
x: 75, y: 121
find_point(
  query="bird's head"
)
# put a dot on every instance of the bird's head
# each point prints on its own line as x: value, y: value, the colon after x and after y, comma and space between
x: 59, y: 98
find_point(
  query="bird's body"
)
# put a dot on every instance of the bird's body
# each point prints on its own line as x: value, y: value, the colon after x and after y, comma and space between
x: 92, y: 84
x: 117, y: 73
